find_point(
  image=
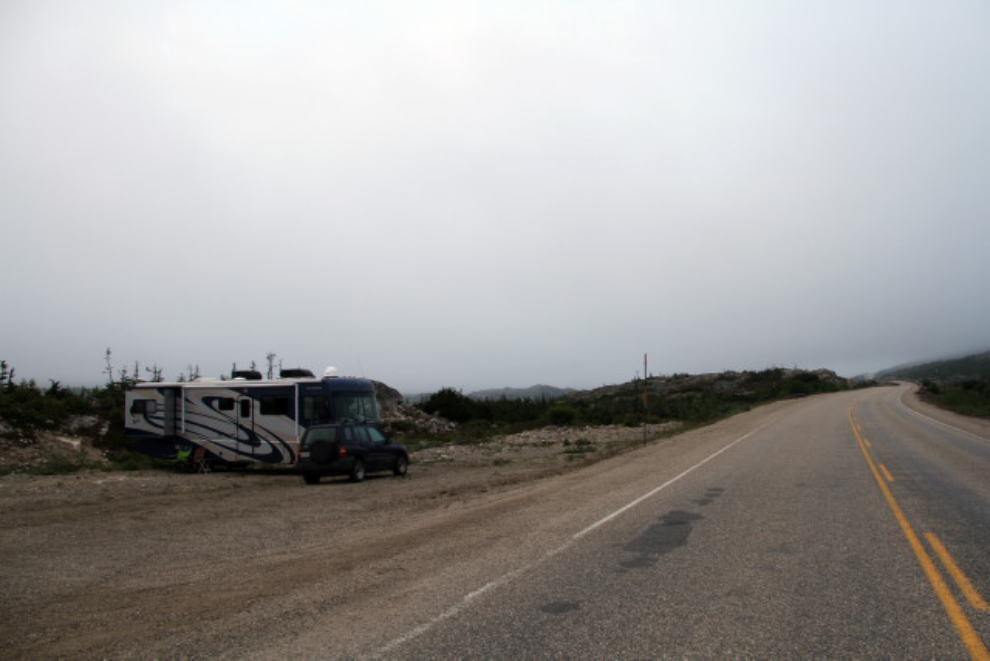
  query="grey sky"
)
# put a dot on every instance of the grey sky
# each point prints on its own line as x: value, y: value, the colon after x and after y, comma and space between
x: 480, y: 194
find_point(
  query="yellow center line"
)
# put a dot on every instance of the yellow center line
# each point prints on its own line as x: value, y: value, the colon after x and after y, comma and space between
x: 886, y: 473
x: 974, y: 645
x: 972, y: 596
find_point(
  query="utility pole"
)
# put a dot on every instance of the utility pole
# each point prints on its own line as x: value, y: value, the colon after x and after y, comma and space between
x: 646, y: 398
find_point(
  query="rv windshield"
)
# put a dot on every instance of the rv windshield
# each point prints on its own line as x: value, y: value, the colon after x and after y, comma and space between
x: 355, y: 407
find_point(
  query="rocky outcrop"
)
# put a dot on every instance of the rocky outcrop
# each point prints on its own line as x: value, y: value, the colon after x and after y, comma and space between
x: 398, y: 416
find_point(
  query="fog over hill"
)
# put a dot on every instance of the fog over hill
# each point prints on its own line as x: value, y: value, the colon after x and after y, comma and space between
x: 533, y: 392
x: 973, y: 366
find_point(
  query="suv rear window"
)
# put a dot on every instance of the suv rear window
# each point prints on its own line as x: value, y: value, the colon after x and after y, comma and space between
x: 320, y: 434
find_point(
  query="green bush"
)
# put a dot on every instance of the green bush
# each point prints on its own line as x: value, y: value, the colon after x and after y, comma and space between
x: 561, y: 415
x: 27, y: 408
x: 970, y: 397
x: 453, y: 405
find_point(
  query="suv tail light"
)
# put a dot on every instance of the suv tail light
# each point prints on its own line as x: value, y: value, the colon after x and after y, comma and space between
x: 342, y: 452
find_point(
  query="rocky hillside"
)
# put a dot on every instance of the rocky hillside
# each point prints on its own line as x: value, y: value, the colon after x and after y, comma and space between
x: 738, y: 384
x: 701, y: 397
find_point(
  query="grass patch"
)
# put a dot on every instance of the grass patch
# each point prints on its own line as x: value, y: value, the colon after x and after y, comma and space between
x: 578, y: 448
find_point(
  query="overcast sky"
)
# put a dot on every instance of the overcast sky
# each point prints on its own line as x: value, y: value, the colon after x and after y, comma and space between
x: 480, y: 194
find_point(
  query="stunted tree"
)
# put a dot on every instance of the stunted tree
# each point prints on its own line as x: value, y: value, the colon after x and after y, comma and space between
x: 6, y: 374
x: 108, y: 370
x: 156, y: 373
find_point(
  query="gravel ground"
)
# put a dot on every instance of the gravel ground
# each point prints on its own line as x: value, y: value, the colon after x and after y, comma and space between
x: 154, y: 564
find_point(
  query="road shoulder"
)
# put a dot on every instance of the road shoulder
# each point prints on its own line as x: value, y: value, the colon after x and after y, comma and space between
x: 976, y: 426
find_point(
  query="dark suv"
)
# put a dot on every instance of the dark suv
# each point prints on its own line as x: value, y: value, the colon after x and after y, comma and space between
x: 348, y: 449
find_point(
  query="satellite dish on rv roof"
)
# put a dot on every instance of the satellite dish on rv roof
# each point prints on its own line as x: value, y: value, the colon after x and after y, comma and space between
x: 330, y: 372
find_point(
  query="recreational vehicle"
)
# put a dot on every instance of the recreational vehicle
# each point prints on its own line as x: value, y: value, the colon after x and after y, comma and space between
x: 245, y: 419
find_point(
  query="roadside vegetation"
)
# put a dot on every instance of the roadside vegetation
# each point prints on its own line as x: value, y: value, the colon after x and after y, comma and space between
x: 969, y: 397
x: 961, y: 385
x: 689, y: 399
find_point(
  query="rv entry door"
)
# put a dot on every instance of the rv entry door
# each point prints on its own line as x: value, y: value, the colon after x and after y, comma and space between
x: 245, y: 426
x: 172, y: 398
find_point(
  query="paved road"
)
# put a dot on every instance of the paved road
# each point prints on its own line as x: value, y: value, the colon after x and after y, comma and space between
x: 841, y: 526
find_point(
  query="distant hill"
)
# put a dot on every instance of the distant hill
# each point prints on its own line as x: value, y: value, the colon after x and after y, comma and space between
x: 536, y: 392
x: 976, y: 366
x: 701, y: 397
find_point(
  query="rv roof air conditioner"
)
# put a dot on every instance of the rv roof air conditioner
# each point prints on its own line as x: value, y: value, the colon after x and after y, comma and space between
x: 295, y: 373
x: 247, y: 375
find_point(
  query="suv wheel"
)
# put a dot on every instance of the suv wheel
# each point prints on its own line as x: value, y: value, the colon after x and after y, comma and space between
x: 401, y: 466
x: 357, y: 471
x: 311, y: 478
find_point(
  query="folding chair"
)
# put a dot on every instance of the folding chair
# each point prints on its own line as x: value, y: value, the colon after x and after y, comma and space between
x: 199, y: 462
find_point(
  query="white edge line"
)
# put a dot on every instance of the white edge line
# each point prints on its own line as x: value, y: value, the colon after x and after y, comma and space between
x: 900, y: 400
x: 663, y: 486
x: 506, y: 578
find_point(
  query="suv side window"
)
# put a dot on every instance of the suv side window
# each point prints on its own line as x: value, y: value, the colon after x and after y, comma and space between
x: 355, y: 434
x: 376, y: 435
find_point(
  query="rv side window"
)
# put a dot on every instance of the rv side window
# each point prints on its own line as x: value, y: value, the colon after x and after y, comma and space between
x: 355, y: 406
x: 245, y: 408
x: 144, y: 406
x: 315, y: 409
x: 225, y: 404
x: 274, y: 406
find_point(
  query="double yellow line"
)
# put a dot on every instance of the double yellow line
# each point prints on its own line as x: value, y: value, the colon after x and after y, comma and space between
x: 971, y: 639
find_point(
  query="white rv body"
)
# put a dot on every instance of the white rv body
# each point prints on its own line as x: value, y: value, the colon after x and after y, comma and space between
x: 239, y: 421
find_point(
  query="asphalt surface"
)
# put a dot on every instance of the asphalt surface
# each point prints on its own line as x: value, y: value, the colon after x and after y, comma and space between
x: 841, y: 526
